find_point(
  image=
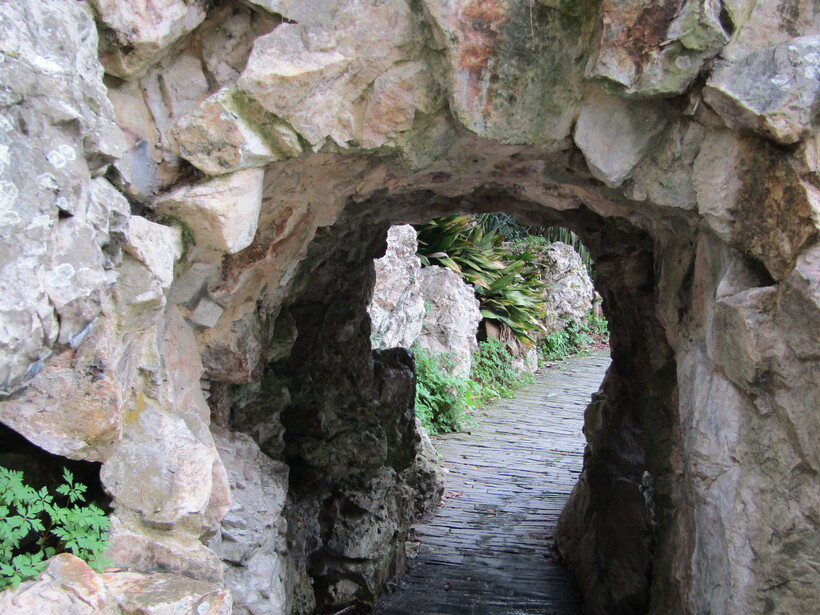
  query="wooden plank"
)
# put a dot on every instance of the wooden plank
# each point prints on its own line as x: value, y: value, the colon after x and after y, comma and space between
x: 487, y: 551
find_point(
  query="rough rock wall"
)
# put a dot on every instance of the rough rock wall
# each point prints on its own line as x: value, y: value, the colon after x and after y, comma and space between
x: 142, y: 274
x: 452, y: 318
x: 397, y: 308
x: 569, y: 292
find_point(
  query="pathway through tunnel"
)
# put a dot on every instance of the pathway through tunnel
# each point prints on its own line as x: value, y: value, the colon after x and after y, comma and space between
x: 487, y: 550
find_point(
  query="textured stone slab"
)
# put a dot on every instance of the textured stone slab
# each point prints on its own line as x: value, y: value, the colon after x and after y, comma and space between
x: 614, y: 134
x: 166, y: 594
x: 772, y: 91
x: 222, y: 212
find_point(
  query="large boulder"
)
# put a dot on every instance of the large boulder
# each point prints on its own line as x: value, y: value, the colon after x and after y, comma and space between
x: 451, y: 318
x: 138, y: 33
x: 569, y: 293
x: 319, y: 83
x: 655, y: 48
x: 615, y: 134
x: 70, y: 587
x: 397, y: 308
x: 228, y: 132
x: 222, y: 213
x: 772, y: 91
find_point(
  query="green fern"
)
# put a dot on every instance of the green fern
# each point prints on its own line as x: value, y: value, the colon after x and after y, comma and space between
x: 492, y: 370
x: 443, y: 400
x: 34, y: 527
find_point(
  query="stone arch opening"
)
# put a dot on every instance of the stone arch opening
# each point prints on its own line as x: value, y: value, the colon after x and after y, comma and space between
x: 342, y: 414
x: 643, y: 130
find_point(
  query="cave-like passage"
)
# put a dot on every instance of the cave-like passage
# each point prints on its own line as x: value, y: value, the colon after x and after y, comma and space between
x: 487, y: 550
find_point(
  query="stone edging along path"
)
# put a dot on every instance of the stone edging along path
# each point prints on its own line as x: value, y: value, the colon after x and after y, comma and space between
x: 487, y: 551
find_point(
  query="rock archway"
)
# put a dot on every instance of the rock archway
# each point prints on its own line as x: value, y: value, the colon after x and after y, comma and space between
x: 186, y: 268
x: 347, y: 423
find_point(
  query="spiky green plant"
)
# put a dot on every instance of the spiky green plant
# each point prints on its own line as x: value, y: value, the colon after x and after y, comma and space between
x: 508, y: 286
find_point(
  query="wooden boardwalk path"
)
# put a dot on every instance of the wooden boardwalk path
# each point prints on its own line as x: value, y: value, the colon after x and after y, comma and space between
x: 487, y: 551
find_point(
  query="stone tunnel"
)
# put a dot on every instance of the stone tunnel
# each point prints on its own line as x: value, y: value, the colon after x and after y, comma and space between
x: 192, y: 197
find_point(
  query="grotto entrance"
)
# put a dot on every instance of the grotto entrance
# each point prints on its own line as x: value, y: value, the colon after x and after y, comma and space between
x: 347, y: 424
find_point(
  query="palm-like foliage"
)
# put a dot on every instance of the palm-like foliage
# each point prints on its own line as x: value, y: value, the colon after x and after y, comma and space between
x: 507, y: 286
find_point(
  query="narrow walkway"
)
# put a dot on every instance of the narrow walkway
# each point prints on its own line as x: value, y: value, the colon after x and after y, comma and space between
x: 488, y: 549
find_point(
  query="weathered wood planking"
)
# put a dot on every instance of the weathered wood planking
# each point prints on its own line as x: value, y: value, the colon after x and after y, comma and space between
x: 487, y: 550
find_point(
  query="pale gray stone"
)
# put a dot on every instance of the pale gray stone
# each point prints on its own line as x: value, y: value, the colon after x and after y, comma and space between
x: 56, y: 128
x: 569, y: 292
x: 206, y: 313
x: 397, y: 308
x: 222, y: 213
x: 188, y: 285
x: 766, y: 23
x: 772, y: 91
x: 156, y: 245
x: 252, y: 538
x: 451, y: 317
x: 615, y: 134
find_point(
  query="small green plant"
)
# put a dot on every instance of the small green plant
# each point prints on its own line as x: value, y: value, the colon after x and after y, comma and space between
x: 556, y: 345
x: 598, y: 327
x: 574, y: 339
x: 34, y: 527
x: 492, y: 370
x: 443, y: 400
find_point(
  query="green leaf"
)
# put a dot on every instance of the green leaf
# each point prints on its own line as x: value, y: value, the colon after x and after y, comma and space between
x: 81, y: 529
x: 501, y: 282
